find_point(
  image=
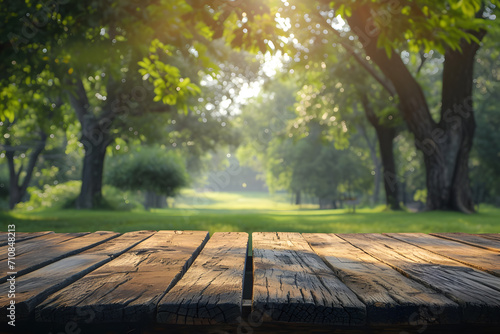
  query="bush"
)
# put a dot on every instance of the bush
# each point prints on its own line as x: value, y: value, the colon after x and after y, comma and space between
x: 149, y: 169
x: 63, y: 196
x: 117, y: 199
x: 52, y: 196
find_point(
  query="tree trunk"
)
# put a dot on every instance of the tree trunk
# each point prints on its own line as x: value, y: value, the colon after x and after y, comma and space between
x: 403, y: 192
x: 385, y: 138
x: 297, y: 198
x: 153, y: 200
x: 15, y: 196
x: 92, y: 174
x: 457, y: 118
x: 446, y: 145
x: 376, y: 163
x: 18, y: 191
x: 385, y: 135
x: 96, y: 137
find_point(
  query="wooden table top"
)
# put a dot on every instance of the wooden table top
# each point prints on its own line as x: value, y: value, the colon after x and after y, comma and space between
x: 151, y: 281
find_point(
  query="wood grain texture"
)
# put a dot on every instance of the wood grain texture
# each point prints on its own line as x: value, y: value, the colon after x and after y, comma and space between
x: 475, y: 257
x: 477, y: 292
x: 34, y: 245
x: 211, y: 290
x: 128, y: 288
x: 21, y: 236
x: 390, y: 297
x: 471, y: 239
x: 33, y: 288
x: 293, y: 284
x: 45, y: 254
x: 492, y: 236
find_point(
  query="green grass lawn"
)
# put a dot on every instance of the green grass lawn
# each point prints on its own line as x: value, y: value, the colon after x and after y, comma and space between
x: 250, y: 212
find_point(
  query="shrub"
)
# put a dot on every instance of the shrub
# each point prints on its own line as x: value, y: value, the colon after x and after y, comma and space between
x: 149, y: 169
x: 63, y: 196
x: 52, y: 196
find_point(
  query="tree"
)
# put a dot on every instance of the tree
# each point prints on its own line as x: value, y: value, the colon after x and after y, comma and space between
x: 117, y: 57
x: 28, y: 109
x: 334, y: 94
x: 377, y: 34
x: 310, y: 165
x: 262, y: 119
x: 457, y: 31
x: 485, y: 163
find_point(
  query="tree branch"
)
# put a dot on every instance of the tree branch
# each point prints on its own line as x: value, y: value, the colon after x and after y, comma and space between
x: 33, y: 159
x: 422, y: 62
x: 79, y: 101
x: 10, y: 163
x: 386, y: 84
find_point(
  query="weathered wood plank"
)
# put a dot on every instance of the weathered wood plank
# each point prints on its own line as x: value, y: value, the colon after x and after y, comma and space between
x: 471, y: 239
x: 128, y: 288
x: 40, y: 257
x: 34, y: 245
x: 475, y: 257
x: 293, y: 284
x: 493, y: 236
x: 390, y: 297
x: 33, y: 288
x: 22, y: 236
x: 477, y: 292
x: 211, y: 290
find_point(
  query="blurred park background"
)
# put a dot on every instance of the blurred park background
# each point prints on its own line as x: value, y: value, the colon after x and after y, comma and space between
x: 231, y: 115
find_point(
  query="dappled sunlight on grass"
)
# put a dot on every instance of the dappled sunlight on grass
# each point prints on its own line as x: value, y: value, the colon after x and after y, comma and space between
x: 189, y: 199
x: 265, y: 215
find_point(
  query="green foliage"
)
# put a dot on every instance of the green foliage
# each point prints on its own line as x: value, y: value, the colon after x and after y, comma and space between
x: 420, y: 195
x: 169, y: 86
x: 117, y: 199
x: 423, y: 24
x: 263, y: 119
x: 51, y: 196
x: 148, y: 168
x: 63, y: 196
x: 317, y: 169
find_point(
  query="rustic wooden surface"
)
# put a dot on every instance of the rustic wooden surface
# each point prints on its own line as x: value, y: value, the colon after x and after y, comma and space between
x: 477, y: 292
x: 381, y: 288
x: 211, y: 290
x: 34, y: 287
x: 21, y: 236
x: 473, y: 256
x: 492, y: 236
x: 167, y: 280
x: 129, y: 287
x: 42, y: 251
x: 471, y: 239
x: 39, y: 243
x: 293, y: 284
